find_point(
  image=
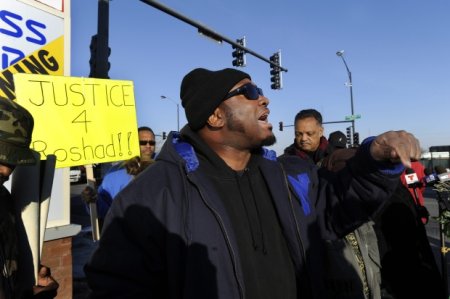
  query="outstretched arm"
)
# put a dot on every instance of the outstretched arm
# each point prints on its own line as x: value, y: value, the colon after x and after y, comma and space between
x: 369, y: 180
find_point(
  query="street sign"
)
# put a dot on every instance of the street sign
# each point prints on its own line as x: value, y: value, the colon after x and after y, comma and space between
x: 353, y: 117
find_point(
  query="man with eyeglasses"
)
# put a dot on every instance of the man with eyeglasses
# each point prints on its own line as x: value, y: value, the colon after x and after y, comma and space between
x: 120, y: 174
x: 146, y: 143
x: 216, y: 216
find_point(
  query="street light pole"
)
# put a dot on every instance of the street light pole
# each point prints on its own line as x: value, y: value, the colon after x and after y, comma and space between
x: 163, y: 97
x: 341, y: 54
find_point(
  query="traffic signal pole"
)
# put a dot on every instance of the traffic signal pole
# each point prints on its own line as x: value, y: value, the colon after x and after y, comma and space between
x: 99, y: 67
x: 100, y: 50
x: 210, y: 33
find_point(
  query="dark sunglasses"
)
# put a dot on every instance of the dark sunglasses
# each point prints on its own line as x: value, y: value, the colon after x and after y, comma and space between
x: 250, y: 91
x: 145, y: 142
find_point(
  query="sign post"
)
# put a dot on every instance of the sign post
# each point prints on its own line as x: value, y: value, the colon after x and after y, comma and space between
x: 353, y: 117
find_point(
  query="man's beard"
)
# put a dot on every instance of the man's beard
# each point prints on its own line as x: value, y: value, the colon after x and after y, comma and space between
x: 237, y: 126
x: 271, y: 140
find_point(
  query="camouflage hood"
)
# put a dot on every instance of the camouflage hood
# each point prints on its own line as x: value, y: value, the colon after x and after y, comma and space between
x: 16, y: 128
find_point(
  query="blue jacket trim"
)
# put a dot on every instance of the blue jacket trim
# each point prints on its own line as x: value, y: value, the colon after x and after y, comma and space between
x: 387, y: 168
x: 186, y: 151
x: 300, y: 186
x: 269, y: 154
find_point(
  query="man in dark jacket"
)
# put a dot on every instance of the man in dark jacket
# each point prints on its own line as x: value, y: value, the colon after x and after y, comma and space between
x: 351, y: 262
x: 213, y: 216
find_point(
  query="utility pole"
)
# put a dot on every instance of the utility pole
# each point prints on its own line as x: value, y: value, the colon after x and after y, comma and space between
x: 163, y: 97
x: 350, y: 85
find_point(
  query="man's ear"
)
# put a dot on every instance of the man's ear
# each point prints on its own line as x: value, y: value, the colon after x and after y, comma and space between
x: 321, y: 131
x: 216, y: 119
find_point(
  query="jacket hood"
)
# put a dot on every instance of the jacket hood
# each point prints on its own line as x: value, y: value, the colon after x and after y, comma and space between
x: 178, y: 149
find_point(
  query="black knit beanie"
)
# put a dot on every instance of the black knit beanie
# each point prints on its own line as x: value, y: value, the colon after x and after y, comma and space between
x: 203, y: 90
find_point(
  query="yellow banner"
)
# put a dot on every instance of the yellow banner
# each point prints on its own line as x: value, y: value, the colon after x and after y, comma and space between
x: 80, y: 120
x: 48, y: 60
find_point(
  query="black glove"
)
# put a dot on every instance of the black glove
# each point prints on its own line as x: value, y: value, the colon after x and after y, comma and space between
x: 89, y: 195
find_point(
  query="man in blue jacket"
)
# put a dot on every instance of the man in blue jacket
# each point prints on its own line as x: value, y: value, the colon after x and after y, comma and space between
x: 120, y: 174
x: 216, y: 216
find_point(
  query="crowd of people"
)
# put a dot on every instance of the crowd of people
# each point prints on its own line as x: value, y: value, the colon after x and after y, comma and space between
x: 220, y: 216
x: 216, y: 214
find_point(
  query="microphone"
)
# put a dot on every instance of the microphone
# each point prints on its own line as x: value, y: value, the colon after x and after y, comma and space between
x: 430, y: 178
x: 442, y: 195
x: 442, y: 174
x: 411, y: 178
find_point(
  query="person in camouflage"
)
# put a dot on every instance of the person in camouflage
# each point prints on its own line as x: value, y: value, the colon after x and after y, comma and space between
x: 16, y: 127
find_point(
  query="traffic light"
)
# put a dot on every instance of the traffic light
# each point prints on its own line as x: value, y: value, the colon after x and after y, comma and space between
x: 93, y: 59
x: 356, y: 139
x: 99, y: 61
x: 108, y: 64
x: 281, y: 125
x: 239, y: 54
x: 349, y: 135
x: 275, y: 71
x: 164, y: 136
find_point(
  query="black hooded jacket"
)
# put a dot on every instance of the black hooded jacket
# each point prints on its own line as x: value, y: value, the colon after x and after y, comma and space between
x: 169, y: 234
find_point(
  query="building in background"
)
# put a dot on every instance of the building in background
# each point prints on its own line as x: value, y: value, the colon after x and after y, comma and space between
x: 35, y: 38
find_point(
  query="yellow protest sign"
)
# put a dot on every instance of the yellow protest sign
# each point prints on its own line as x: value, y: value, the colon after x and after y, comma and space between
x: 80, y: 120
x: 48, y: 60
